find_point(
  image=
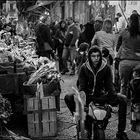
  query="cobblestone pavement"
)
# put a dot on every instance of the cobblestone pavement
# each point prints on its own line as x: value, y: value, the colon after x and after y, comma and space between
x: 66, y: 125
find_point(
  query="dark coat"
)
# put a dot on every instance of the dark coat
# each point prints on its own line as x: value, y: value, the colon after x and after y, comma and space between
x: 87, y: 34
x: 96, y: 84
x: 43, y: 35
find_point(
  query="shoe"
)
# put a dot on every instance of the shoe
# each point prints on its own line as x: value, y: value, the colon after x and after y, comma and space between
x: 121, y: 136
x: 64, y: 71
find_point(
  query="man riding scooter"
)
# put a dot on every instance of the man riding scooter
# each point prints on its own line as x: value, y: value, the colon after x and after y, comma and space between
x: 95, y: 84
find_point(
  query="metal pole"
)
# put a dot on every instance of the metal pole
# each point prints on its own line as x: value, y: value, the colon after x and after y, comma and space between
x: 123, y: 14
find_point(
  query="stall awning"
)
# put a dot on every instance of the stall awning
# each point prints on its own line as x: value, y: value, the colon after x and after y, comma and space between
x: 40, y: 5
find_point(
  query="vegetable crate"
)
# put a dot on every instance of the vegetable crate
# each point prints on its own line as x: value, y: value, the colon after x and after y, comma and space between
x: 42, y: 116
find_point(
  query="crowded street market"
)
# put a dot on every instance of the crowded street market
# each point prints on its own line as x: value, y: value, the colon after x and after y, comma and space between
x: 69, y: 69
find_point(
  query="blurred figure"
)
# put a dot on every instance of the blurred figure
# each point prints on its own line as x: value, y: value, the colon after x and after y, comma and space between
x: 44, y: 39
x: 70, y: 48
x: 128, y: 52
x: 121, y: 22
x: 81, y: 56
x: 60, y: 37
x: 105, y: 37
x: 87, y: 33
x: 98, y: 23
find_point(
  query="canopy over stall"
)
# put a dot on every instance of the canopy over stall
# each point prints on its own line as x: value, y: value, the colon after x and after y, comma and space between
x: 39, y: 8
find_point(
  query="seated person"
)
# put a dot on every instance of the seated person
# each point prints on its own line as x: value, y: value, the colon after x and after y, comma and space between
x: 81, y: 56
x: 135, y: 90
x: 94, y: 83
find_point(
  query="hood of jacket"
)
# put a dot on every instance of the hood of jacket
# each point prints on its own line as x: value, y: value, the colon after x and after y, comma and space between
x: 102, y: 61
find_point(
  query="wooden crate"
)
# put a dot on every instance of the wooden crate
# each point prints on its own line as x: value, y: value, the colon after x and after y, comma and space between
x: 41, y: 116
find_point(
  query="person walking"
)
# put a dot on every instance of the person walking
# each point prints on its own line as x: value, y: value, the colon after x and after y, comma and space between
x: 70, y: 47
x: 44, y: 39
x: 105, y: 37
x: 128, y: 54
x: 59, y: 38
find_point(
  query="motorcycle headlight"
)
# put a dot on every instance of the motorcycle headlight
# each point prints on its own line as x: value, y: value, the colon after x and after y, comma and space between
x: 99, y: 114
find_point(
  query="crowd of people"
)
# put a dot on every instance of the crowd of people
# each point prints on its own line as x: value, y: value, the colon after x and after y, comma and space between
x: 95, y: 50
x: 108, y: 51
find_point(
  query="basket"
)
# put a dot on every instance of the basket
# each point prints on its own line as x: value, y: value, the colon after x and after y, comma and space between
x: 7, y: 66
x: 48, y: 89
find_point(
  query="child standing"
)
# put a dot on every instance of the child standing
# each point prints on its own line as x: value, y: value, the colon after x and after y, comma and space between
x: 135, y: 90
x: 81, y: 56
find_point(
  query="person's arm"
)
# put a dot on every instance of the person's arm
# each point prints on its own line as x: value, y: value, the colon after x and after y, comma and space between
x: 95, y: 40
x: 119, y: 43
x: 75, y: 36
x: 109, y: 82
x: 82, y: 81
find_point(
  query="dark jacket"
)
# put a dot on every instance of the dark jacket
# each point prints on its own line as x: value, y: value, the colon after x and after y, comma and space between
x: 43, y: 35
x: 60, y: 34
x: 87, y: 34
x: 96, y: 84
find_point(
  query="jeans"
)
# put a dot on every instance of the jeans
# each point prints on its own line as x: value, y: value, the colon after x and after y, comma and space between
x: 113, y: 100
x: 69, y: 52
x: 60, y: 52
x: 125, y: 73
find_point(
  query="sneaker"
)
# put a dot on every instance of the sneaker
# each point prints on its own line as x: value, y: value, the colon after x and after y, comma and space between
x: 121, y: 136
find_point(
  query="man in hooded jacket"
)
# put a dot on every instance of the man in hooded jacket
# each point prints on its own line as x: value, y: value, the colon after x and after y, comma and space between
x: 95, y: 84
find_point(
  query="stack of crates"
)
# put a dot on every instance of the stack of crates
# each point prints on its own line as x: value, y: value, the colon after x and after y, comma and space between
x: 42, y: 117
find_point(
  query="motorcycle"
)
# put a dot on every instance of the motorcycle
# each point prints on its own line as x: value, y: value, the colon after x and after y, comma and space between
x: 100, y: 115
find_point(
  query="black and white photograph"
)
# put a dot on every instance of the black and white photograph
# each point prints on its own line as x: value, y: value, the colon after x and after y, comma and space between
x: 69, y: 70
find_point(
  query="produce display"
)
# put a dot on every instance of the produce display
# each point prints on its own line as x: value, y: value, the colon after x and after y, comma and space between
x: 22, y: 53
x: 5, y: 109
x: 45, y: 74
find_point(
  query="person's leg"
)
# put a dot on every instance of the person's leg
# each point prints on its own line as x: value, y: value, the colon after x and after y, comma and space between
x: 121, y: 100
x: 88, y: 126
x: 69, y: 100
x: 72, y: 57
x: 64, y: 59
x: 60, y: 52
x: 125, y: 69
